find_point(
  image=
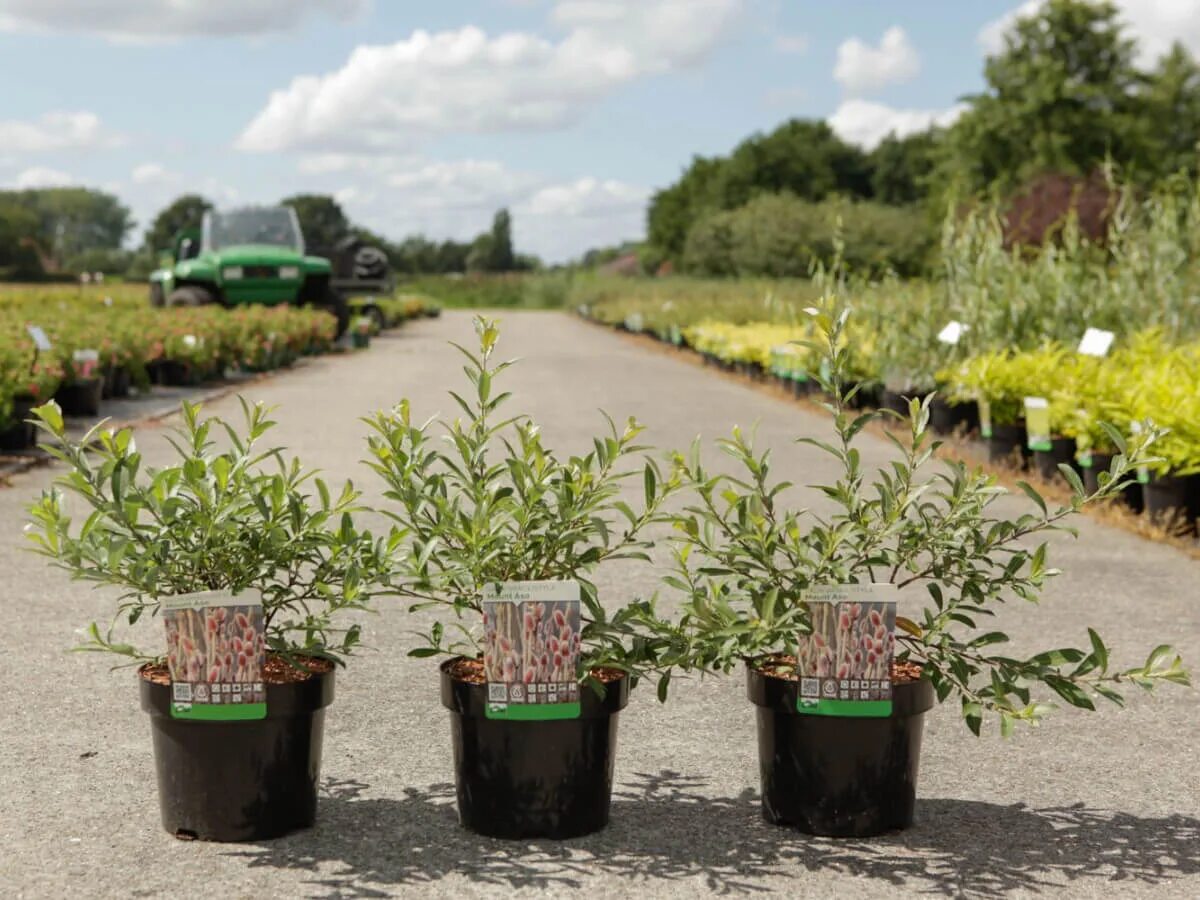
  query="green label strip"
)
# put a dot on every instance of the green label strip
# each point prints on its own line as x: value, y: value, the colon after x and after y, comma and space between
x: 219, y: 712
x: 533, y: 712
x: 851, y: 709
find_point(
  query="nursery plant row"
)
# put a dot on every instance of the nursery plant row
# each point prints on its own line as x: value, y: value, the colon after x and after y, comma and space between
x: 1082, y: 398
x: 493, y: 546
x: 81, y: 349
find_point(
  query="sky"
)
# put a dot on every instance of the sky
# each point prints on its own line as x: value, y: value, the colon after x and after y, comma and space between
x: 425, y: 117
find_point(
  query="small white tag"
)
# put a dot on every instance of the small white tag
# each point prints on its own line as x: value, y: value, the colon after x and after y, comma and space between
x: 39, y: 337
x: 1095, y: 342
x: 952, y: 332
x: 86, y: 356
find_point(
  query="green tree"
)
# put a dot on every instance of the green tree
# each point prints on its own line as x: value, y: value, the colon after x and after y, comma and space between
x: 1059, y: 97
x: 1170, y: 114
x: 901, y: 167
x: 17, y: 226
x: 503, y: 259
x: 182, y: 212
x: 72, y: 220
x: 321, y: 218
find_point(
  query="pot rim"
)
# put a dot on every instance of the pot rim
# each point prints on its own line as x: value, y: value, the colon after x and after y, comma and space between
x: 469, y: 699
x: 296, y: 698
x: 909, y: 698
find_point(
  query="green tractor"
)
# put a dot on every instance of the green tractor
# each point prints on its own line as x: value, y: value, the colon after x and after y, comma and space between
x: 257, y: 255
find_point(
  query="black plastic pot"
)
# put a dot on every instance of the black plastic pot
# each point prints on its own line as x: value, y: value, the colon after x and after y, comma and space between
x: 1174, y: 497
x: 240, y: 781
x: 866, y: 397
x: 81, y: 397
x: 1062, y: 450
x: 20, y: 435
x: 1100, y: 462
x: 533, y: 779
x: 947, y: 418
x: 838, y: 777
x: 116, y: 382
x: 1004, y: 443
x: 894, y: 401
x: 802, y: 387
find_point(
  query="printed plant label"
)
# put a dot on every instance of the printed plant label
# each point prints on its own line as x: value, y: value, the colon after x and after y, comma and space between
x: 85, y: 362
x: 952, y: 333
x: 985, y: 418
x: 531, y: 647
x: 845, y: 664
x: 1037, y: 423
x: 1095, y: 342
x: 216, y: 653
x: 39, y: 337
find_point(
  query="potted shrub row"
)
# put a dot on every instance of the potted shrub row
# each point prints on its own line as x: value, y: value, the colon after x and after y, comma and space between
x: 249, y: 559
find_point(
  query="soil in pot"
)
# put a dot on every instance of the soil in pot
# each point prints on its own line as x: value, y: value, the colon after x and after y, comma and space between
x: 81, y: 397
x: 1173, y: 501
x: 241, y: 781
x: 834, y: 776
x: 19, y: 434
x: 1062, y: 450
x: 1008, y: 444
x: 1131, y: 496
x: 536, y: 779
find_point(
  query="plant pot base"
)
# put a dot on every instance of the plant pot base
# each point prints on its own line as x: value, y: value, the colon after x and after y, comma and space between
x: 519, y: 780
x: 833, y: 776
x: 240, y: 781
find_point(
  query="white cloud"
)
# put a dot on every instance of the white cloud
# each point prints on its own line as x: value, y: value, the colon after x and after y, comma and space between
x: 153, y: 173
x: 56, y: 131
x: 390, y: 96
x: 140, y: 20
x: 866, y: 123
x: 455, y: 199
x: 42, y: 177
x: 861, y: 68
x: 1154, y: 24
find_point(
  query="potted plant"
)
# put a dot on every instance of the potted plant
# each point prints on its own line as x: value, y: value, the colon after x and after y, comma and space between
x: 250, y: 560
x: 485, y: 508
x: 839, y: 756
x: 361, y: 331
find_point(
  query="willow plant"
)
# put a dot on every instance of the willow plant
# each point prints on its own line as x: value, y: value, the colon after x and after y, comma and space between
x: 481, y: 499
x: 745, y: 560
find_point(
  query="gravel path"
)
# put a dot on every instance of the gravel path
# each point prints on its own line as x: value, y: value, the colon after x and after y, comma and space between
x: 1105, y: 804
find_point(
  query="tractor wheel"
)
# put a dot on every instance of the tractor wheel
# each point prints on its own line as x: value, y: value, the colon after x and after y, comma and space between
x: 375, y: 314
x: 335, y: 304
x: 157, y: 297
x: 190, y: 296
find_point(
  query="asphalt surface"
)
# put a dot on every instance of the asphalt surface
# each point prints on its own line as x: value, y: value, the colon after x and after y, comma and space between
x: 1104, y: 804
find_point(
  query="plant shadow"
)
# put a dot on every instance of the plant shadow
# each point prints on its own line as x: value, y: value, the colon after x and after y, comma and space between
x: 665, y: 829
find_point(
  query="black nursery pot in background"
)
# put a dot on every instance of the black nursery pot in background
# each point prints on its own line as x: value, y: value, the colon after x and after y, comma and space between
x: 533, y: 779
x: 19, y: 434
x: 81, y: 397
x: 240, y: 781
x: 947, y: 418
x: 1005, y: 442
x: 1173, y: 498
x: 1062, y: 450
x: 838, y: 777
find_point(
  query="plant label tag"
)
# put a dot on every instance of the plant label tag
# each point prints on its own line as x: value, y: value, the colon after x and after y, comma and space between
x: 85, y: 362
x: 1095, y: 342
x: 216, y: 654
x: 952, y: 333
x: 39, y: 338
x: 845, y: 664
x: 531, y: 650
x: 985, y: 418
x: 1037, y: 423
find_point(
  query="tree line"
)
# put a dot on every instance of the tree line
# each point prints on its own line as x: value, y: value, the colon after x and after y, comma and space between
x: 64, y: 231
x: 1064, y: 99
